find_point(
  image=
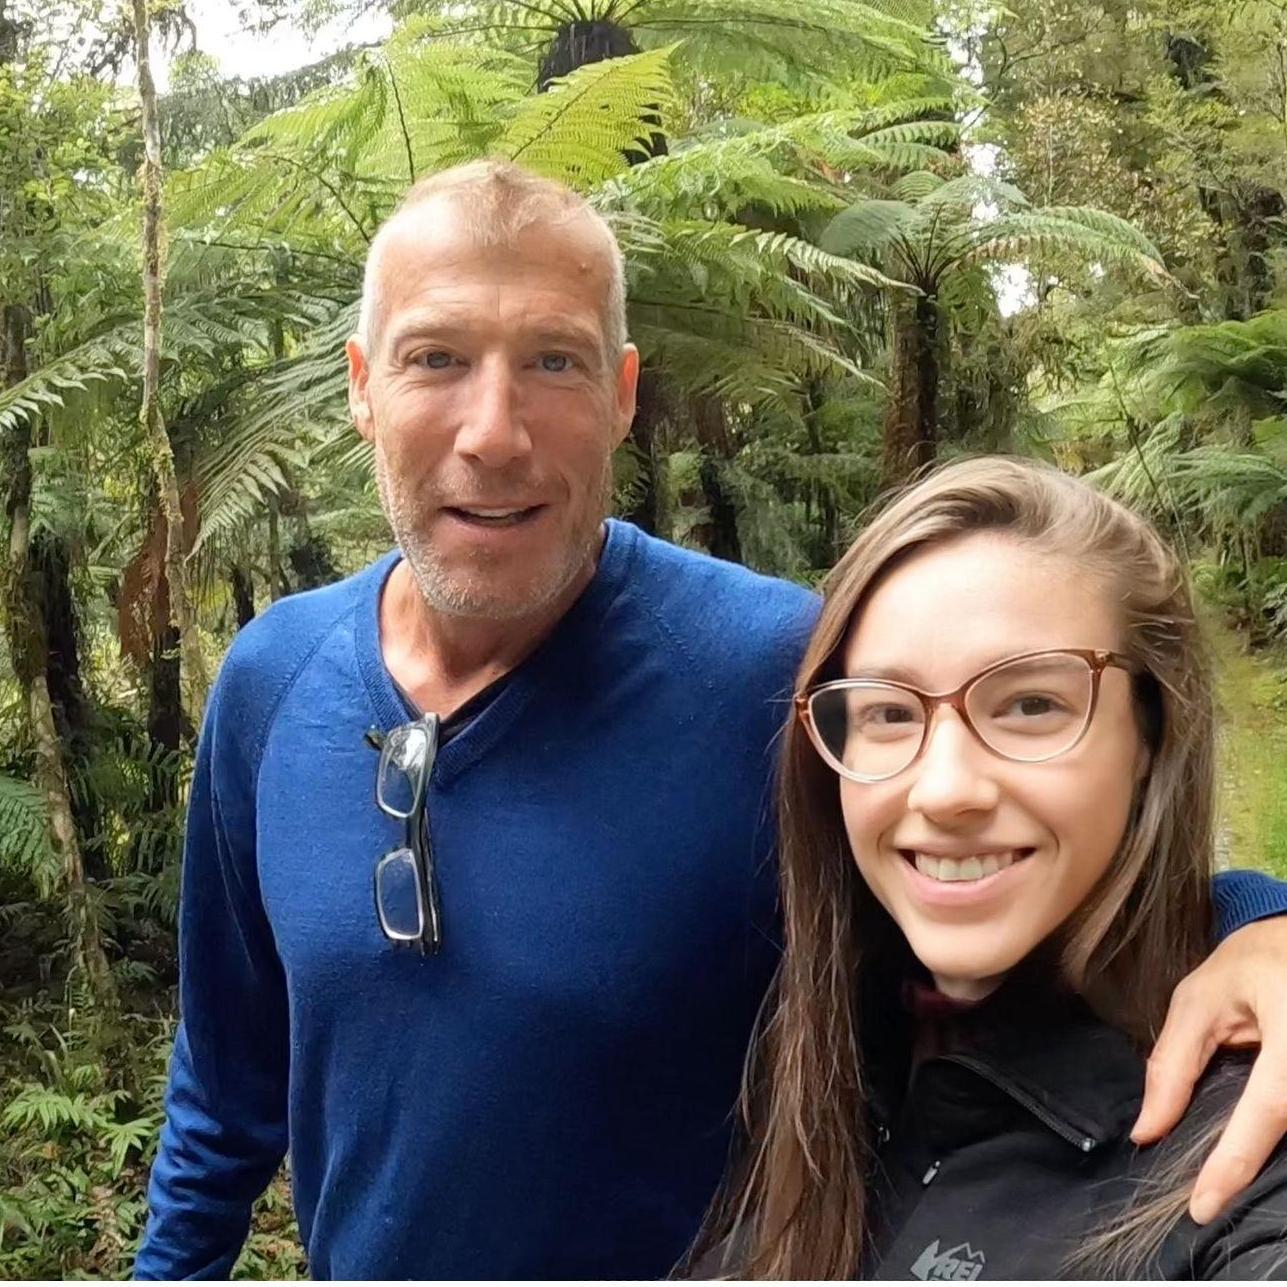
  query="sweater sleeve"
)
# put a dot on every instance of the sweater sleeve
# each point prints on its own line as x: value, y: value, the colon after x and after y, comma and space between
x: 225, y: 1109
x: 1240, y: 897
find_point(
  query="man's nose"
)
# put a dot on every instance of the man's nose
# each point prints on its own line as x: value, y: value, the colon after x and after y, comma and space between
x: 492, y: 431
x: 955, y: 772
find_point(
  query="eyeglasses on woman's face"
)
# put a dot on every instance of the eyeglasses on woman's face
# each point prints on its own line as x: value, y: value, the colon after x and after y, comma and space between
x: 1029, y: 709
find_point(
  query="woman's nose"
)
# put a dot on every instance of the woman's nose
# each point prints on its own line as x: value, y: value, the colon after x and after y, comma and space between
x: 955, y: 772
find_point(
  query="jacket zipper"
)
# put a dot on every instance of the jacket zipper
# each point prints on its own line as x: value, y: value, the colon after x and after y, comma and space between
x: 1076, y: 1138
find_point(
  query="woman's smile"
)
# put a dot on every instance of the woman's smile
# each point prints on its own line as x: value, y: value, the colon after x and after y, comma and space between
x: 964, y: 881
x: 979, y: 855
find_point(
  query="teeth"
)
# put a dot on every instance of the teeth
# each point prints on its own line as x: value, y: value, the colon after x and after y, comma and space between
x: 492, y: 513
x: 962, y: 869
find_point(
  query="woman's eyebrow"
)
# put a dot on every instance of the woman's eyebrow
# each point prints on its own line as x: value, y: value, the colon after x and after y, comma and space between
x: 898, y: 674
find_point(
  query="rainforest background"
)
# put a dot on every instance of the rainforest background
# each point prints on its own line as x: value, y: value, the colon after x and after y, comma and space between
x: 860, y: 236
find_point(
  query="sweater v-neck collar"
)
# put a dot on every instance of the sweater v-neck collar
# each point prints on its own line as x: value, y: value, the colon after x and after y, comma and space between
x: 610, y: 578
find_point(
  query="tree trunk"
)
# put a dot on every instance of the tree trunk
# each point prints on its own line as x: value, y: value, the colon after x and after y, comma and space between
x: 51, y: 569
x: 24, y: 625
x: 650, y: 412
x: 578, y: 44
x: 181, y: 614
x: 719, y: 533
x: 312, y: 562
x: 165, y: 726
x: 276, y: 581
x: 243, y: 593
x: 911, y: 422
x: 826, y: 551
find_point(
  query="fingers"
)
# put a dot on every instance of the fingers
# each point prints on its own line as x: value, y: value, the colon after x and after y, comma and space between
x: 1184, y: 1048
x: 1257, y: 1124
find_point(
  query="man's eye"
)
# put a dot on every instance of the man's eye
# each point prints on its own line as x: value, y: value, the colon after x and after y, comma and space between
x: 556, y: 362
x: 434, y: 359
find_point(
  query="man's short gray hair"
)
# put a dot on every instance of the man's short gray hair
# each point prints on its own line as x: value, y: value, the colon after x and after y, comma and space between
x: 503, y: 199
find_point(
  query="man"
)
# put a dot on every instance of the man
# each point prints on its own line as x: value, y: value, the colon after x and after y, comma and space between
x: 520, y: 1062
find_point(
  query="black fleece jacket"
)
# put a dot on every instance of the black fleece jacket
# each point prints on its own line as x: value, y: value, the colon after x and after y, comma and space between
x: 1002, y: 1153
x: 1010, y: 1149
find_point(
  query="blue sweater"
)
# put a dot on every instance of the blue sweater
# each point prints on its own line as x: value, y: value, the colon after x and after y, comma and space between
x: 549, y: 1096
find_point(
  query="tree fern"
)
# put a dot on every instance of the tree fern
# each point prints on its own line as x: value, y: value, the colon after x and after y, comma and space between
x: 24, y: 833
x: 757, y: 39
x: 579, y: 131
x: 776, y: 166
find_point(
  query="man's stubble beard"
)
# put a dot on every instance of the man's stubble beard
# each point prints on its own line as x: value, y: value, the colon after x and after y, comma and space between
x: 467, y: 592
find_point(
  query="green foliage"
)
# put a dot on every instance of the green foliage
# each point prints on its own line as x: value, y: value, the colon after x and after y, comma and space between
x: 24, y: 835
x: 785, y: 184
x: 756, y: 40
x: 940, y: 227
x: 79, y: 1116
x: 579, y: 129
x: 76, y: 1138
x: 1253, y: 700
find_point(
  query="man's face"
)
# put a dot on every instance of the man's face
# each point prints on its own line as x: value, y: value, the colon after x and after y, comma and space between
x: 493, y: 408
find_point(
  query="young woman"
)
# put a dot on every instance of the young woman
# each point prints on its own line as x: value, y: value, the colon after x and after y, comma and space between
x: 996, y: 827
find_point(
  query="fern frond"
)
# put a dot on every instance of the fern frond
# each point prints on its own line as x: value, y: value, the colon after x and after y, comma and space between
x: 1091, y: 233
x: 24, y: 830
x: 580, y: 129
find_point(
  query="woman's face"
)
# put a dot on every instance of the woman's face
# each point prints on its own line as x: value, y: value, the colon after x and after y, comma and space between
x: 1050, y: 829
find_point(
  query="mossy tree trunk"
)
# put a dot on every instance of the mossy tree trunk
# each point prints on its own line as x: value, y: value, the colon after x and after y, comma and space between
x: 25, y: 629
x: 51, y: 564
x: 910, y: 430
x: 162, y: 452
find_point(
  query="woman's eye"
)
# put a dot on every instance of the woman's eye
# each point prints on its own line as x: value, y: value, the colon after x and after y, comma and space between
x: 555, y: 362
x: 1032, y: 705
x: 885, y: 716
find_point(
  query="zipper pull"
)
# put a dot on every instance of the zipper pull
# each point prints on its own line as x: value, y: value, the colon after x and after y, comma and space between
x: 930, y: 1174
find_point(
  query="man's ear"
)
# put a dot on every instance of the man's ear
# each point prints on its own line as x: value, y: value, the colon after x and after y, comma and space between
x: 359, y: 376
x: 627, y: 391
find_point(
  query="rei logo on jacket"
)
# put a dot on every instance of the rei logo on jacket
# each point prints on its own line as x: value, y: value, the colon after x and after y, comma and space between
x: 957, y: 1264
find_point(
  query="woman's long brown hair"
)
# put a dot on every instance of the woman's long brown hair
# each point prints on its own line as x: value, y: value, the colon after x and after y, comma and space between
x: 794, y: 1204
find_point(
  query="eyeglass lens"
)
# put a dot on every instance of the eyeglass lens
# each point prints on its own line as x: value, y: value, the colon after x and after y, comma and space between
x: 401, y: 760
x: 1031, y: 709
x: 397, y: 895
